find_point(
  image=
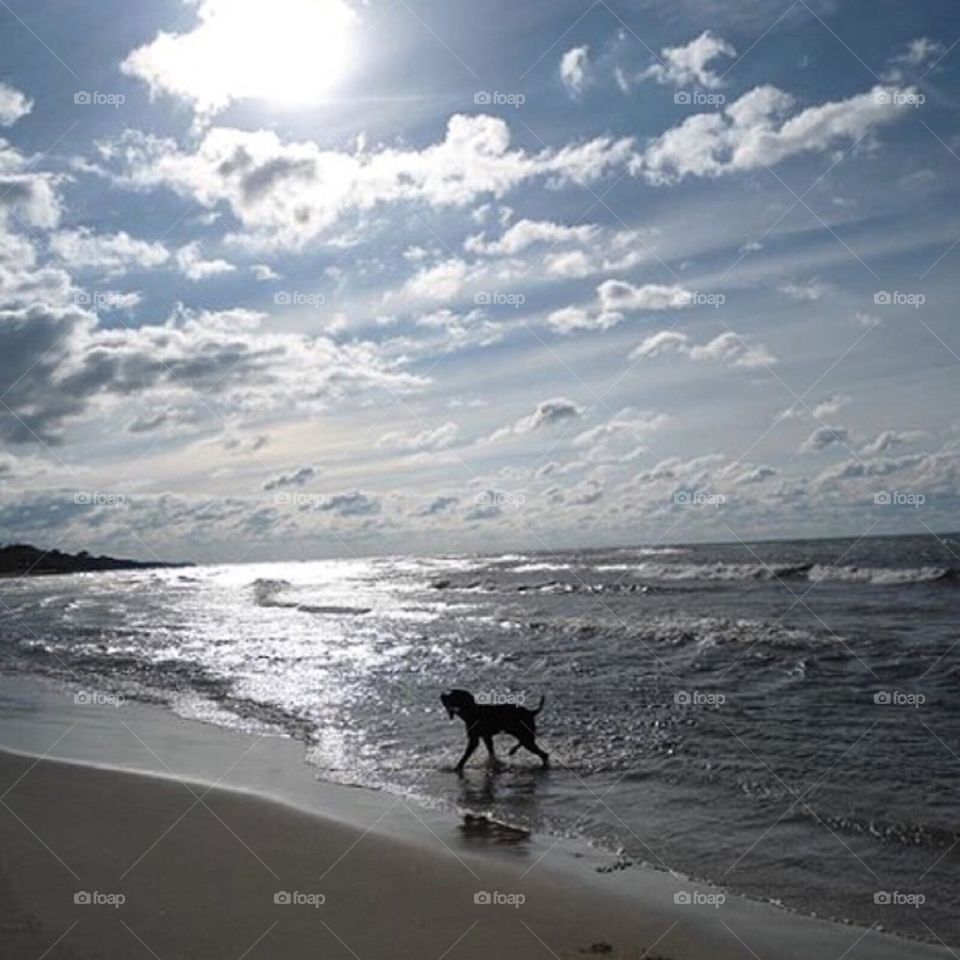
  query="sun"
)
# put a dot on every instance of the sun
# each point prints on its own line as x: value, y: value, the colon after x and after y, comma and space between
x: 288, y: 52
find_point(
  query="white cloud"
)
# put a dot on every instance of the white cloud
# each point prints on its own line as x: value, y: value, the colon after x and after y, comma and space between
x: 527, y: 233
x: 431, y: 438
x: 808, y: 292
x: 750, y: 133
x: 615, y: 298
x: 286, y: 193
x: 889, y: 439
x: 548, y: 413
x: 690, y: 64
x: 728, y: 349
x: 263, y: 272
x: 575, y: 70
x: 111, y: 254
x: 192, y: 265
x: 295, y: 479
x: 286, y: 50
x: 13, y: 105
x: 824, y: 437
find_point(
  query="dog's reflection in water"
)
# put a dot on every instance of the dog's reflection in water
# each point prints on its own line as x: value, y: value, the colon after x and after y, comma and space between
x: 483, y: 791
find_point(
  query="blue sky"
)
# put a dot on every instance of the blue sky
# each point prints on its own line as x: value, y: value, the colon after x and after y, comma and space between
x: 311, y: 277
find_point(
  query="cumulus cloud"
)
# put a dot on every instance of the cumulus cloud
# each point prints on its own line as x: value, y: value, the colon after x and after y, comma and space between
x: 193, y: 266
x: 13, y: 105
x: 286, y: 193
x: 575, y: 70
x: 295, y: 479
x: 824, y: 437
x: 431, y: 438
x: 524, y: 234
x: 352, y: 504
x: 110, y: 254
x: 548, y: 413
x: 754, y: 131
x: 615, y: 298
x: 225, y: 356
x: 246, y: 49
x: 690, y: 64
x: 728, y: 349
x: 889, y: 439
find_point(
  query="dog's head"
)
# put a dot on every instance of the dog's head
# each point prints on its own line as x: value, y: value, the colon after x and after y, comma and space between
x: 456, y: 701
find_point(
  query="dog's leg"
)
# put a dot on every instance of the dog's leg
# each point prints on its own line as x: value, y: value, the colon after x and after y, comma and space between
x: 531, y: 745
x: 471, y: 746
x: 492, y: 754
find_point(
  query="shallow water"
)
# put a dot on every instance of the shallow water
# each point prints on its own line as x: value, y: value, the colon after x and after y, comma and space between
x: 780, y: 718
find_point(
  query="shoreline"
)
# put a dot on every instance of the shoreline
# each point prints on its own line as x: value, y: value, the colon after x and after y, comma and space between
x: 120, y: 756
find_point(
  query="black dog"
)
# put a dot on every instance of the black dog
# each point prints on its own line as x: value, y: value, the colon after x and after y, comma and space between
x: 485, y: 721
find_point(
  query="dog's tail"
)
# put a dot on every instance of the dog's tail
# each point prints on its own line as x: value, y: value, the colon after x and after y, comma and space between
x: 539, y: 705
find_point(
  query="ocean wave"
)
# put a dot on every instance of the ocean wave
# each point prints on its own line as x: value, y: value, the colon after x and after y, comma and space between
x: 887, y: 831
x: 881, y: 576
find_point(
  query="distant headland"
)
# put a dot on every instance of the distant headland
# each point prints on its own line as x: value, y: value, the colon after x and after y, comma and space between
x: 22, y: 559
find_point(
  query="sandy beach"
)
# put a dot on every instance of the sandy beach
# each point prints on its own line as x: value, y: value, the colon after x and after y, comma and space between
x: 98, y: 862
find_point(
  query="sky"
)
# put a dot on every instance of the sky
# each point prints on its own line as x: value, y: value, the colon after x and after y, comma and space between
x: 310, y: 278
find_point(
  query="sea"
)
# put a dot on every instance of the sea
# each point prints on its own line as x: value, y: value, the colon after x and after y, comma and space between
x: 781, y: 719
